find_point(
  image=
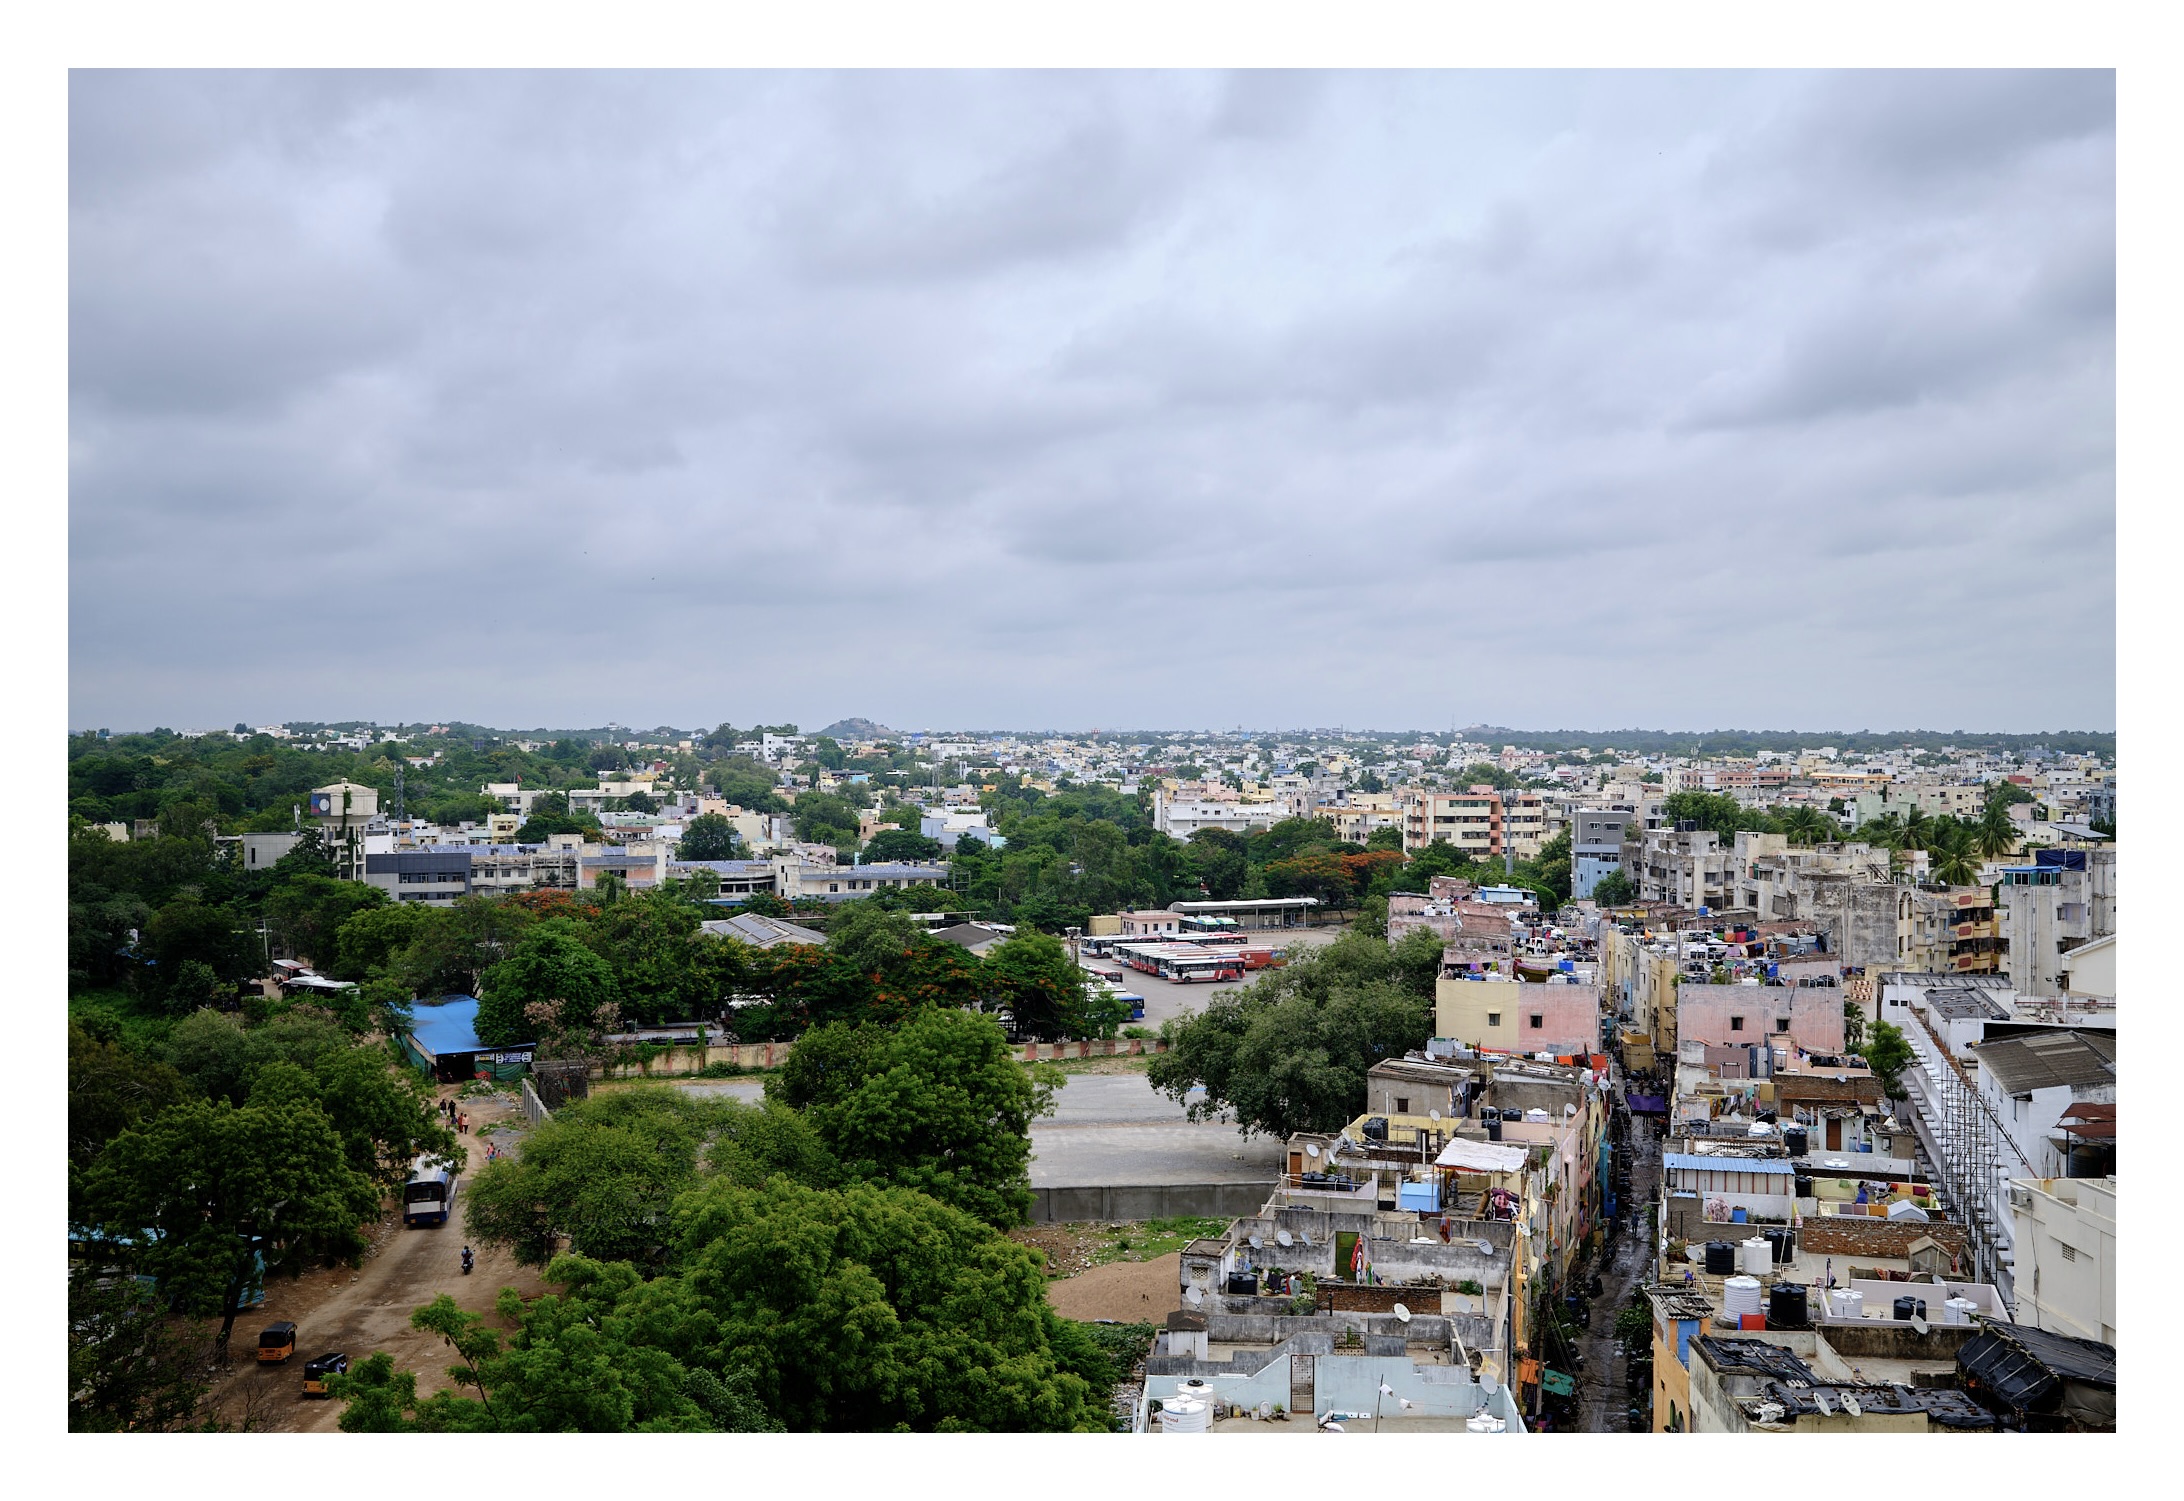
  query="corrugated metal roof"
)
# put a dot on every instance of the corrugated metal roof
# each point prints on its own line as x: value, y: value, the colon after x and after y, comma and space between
x: 2050, y: 1060
x: 1716, y: 1164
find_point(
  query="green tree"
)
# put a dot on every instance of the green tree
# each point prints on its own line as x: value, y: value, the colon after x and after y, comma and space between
x: 309, y: 912
x: 901, y: 844
x: 709, y: 836
x: 550, y: 967
x: 872, y: 1308
x: 370, y: 939
x: 1614, y: 890
x: 133, y: 1367
x: 1290, y: 1052
x: 1806, y: 824
x: 1031, y: 976
x: 604, y: 1172
x: 214, y: 935
x: 937, y: 1105
x: 824, y: 818
x: 1888, y: 1053
x: 208, y: 1049
x: 203, y: 1188
x: 110, y: 1089
x: 1218, y: 858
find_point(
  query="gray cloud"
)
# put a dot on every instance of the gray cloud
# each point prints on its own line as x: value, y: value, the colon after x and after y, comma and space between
x: 1053, y: 398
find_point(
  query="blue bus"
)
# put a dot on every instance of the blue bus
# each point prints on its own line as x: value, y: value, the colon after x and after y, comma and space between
x: 430, y: 1193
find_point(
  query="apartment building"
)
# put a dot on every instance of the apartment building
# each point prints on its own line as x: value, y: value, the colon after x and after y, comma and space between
x: 1478, y: 822
x: 2062, y: 900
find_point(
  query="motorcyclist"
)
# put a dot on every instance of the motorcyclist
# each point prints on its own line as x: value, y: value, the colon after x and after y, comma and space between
x: 467, y: 1260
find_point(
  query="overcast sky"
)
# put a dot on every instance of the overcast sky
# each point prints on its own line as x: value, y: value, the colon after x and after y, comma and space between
x: 1071, y: 400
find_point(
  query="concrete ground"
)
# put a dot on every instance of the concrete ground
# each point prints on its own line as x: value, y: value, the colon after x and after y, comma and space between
x: 1112, y: 1130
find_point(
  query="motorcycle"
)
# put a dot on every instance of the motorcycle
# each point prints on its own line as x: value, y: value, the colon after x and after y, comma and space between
x: 467, y: 1261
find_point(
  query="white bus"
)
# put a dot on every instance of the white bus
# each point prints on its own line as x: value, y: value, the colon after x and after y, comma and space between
x: 429, y: 1196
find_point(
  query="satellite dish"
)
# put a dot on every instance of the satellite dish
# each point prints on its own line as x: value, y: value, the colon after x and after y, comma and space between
x: 1281, y: 1237
x: 1195, y: 1296
x: 1404, y: 1314
x: 1488, y: 1382
x: 1433, y: 1115
x: 1311, y: 1151
x: 1257, y: 1244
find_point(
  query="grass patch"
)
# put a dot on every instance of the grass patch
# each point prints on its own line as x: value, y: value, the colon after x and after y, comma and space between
x: 1147, y: 1239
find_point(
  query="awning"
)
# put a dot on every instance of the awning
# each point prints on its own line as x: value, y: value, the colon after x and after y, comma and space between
x: 1481, y: 1156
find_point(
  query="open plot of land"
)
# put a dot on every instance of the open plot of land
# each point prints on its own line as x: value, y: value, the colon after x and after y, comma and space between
x: 1130, y: 1292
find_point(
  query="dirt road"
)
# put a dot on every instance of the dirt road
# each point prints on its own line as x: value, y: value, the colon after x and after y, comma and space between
x: 367, y: 1308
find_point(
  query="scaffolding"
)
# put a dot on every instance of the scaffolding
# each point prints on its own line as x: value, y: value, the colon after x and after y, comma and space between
x: 1973, y: 1157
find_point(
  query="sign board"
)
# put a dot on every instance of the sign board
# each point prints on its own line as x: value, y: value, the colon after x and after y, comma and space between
x: 520, y: 1055
x: 1559, y: 1384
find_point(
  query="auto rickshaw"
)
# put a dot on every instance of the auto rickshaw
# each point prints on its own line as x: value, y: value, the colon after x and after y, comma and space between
x: 277, y: 1343
x: 315, y: 1372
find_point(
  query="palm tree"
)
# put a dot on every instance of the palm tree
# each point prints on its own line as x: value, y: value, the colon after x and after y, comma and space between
x: 1808, y: 825
x: 1995, y: 834
x: 1952, y: 850
x: 1918, y: 830
x: 1885, y: 831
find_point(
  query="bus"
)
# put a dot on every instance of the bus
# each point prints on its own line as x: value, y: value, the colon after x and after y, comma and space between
x: 430, y: 1193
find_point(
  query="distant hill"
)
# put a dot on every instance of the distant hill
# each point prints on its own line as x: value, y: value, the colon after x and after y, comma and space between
x: 857, y: 729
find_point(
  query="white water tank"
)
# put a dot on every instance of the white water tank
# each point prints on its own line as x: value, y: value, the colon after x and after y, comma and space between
x: 1537, y: 1117
x: 1846, y: 1303
x: 1756, y: 1257
x: 1485, y: 1423
x: 1185, y: 1415
x: 1958, y: 1311
x: 1740, y: 1295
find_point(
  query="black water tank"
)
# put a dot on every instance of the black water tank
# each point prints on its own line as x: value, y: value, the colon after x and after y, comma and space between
x: 1243, y: 1284
x: 1493, y: 1128
x: 1376, y: 1128
x: 1783, y: 1243
x: 1802, y: 1184
x: 1721, y: 1258
x: 1794, y: 1140
x: 1786, y: 1306
x: 1908, y: 1307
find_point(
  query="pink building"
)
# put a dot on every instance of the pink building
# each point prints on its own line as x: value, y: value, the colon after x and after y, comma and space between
x: 1738, y: 1015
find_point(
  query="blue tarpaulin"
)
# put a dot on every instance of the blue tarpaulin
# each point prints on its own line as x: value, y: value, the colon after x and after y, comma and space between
x: 448, y: 1025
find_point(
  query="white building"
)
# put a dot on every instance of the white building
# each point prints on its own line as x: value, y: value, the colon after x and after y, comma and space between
x: 2066, y: 1255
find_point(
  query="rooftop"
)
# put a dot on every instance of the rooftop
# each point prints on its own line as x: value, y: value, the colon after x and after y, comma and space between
x: 2050, y: 1060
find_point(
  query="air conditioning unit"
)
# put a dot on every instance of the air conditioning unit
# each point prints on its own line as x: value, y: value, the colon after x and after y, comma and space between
x: 2020, y: 1198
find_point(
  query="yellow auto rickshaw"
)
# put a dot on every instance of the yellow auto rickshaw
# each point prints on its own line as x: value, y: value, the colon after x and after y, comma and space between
x: 277, y: 1343
x: 316, y: 1372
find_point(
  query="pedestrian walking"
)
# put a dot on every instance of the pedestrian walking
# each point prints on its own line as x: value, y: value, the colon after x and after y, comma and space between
x: 462, y: 1122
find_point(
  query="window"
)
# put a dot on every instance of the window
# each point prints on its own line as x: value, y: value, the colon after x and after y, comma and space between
x: 1539, y: 1019
x: 1402, y: 1105
x: 1493, y: 1018
x: 1736, y: 1023
x: 1782, y: 1024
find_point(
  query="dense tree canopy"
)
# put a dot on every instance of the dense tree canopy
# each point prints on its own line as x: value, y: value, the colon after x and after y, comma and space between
x: 1290, y: 1052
